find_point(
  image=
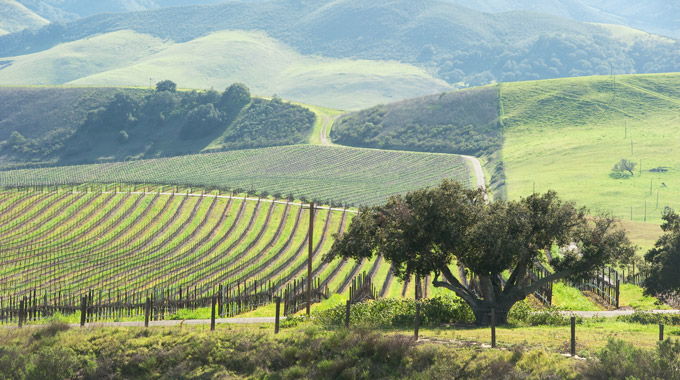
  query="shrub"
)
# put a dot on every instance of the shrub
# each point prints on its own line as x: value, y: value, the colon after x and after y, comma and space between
x: 390, y: 312
x: 647, y: 318
x: 12, y: 363
x: 621, y: 360
x: 53, y: 362
x: 51, y: 330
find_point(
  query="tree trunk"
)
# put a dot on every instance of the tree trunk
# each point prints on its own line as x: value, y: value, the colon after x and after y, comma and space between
x: 483, y: 313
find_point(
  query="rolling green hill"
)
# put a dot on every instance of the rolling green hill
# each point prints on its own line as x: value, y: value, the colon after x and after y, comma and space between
x: 16, y: 17
x: 127, y: 58
x: 568, y: 134
x: 297, y: 41
x: 562, y: 134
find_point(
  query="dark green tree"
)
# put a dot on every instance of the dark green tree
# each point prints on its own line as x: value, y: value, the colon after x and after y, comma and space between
x: 664, y: 258
x: 166, y: 85
x: 624, y: 166
x: 429, y: 231
x: 201, y: 121
x: 235, y: 97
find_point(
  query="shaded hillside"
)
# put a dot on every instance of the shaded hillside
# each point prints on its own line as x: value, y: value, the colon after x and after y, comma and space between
x: 48, y: 125
x: 461, y: 122
x: 16, y: 17
x: 454, y: 43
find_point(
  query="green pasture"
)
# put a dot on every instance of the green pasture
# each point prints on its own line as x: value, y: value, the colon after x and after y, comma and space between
x: 567, y: 134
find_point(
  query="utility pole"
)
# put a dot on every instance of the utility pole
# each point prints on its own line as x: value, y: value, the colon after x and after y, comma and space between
x: 309, y: 257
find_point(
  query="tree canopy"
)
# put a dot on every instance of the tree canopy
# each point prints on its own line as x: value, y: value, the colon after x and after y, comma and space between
x: 664, y: 258
x: 430, y: 230
x: 166, y: 85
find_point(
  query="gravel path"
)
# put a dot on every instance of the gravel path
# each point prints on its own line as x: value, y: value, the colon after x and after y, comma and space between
x: 479, y: 172
x: 613, y: 313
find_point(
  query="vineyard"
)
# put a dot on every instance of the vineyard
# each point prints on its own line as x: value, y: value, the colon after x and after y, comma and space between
x: 107, y: 243
x: 346, y: 176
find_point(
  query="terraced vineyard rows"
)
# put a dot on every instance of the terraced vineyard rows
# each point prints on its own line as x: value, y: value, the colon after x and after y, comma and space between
x: 78, y: 241
x: 344, y: 175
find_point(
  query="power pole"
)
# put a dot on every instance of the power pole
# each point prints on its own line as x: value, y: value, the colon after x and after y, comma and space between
x: 309, y: 257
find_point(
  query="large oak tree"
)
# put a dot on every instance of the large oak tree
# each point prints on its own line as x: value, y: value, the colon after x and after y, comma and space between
x: 430, y: 230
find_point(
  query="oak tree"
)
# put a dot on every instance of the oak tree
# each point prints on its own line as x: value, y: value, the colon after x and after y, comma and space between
x: 433, y: 230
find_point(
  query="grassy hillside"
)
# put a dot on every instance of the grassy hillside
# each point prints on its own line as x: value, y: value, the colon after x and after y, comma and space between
x: 268, y: 66
x: 440, y: 38
x: 16, y: 17
x: 567, y: 135
x: 338, y: 174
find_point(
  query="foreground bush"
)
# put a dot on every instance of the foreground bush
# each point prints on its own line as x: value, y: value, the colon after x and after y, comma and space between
x: 309, y: 353
x: 621, y: 360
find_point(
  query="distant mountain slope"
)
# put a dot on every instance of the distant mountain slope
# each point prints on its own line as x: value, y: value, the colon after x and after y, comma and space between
x: 655, y: 16
x: 126, y: 58
x: 15, y: 17
x: 459, y: 45
x: 65, y: 10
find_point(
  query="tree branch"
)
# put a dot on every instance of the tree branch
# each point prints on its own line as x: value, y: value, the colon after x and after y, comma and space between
x: 521, y: 268
x: 454, y: 285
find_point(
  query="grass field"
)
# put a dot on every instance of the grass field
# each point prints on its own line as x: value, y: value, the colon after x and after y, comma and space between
x: 266, y: 65
x: 566, y: 135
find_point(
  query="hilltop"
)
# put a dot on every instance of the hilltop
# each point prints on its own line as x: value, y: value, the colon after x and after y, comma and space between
x: 345, y: 54
x: 16, y: 17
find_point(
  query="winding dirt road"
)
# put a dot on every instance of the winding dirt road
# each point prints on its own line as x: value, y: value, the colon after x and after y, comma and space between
x: 325, y: 129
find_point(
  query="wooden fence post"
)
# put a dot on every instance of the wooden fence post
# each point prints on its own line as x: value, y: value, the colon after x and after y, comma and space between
x: 21, y: 313
x: 83, y: 310
x: 493, y: 328
x: 347, y: 306
x: 573, y: 336
x: 278, y: 311
x: 212, y: 314
x: 147, y: 306
x: 660, y: 331
x: 617, y: 292
x: 415, y: 333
